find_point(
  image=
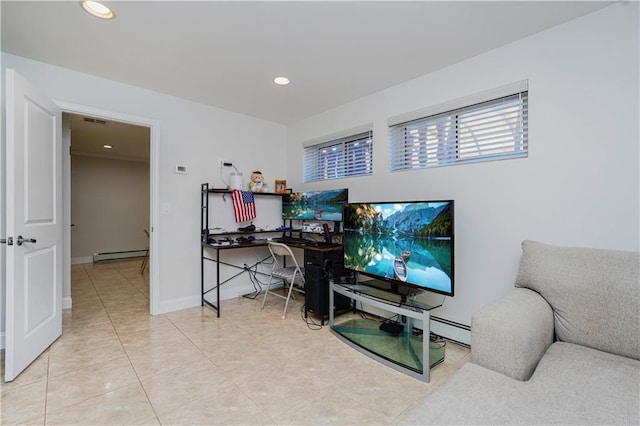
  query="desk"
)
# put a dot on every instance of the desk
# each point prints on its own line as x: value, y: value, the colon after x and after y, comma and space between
x: 317, y: 260
x: 218, y: 262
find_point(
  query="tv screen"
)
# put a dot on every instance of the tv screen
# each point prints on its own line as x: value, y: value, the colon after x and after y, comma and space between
x: 315, y: 205
x: 403, y: 243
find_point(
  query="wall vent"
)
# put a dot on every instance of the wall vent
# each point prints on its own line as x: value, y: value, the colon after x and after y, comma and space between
x: 94, y: 120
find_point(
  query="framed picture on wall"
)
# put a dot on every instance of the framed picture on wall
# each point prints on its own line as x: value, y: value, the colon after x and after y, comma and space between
x: 281, y: 186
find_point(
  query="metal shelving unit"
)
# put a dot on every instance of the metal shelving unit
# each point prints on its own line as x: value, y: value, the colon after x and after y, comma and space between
x: 205, y: 233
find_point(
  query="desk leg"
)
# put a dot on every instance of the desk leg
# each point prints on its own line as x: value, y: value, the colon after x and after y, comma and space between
x: 218, y: 282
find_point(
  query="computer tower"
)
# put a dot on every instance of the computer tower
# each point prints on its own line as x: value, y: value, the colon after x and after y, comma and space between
x: 320, y: 267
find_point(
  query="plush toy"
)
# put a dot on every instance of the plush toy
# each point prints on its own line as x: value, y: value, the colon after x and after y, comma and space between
x: 257, y: 183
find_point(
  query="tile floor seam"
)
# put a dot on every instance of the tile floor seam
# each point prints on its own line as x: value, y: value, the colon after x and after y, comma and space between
x: 238, y: 398
x: 16, y: 387
x: 273, y: 422
x: 124, y: 348
x: 224, y: 373
x: 131, y: 284
x: 146, y: 395
x: 192, y: 401
x: 96, y: 396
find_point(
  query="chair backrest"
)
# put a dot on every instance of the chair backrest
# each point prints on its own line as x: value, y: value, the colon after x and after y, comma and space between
x: 280, y: 249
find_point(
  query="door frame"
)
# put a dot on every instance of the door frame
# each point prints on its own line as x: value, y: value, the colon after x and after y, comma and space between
x: 154, y: 208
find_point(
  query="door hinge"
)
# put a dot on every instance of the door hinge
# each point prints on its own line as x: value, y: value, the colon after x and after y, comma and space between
x: 8, y: 241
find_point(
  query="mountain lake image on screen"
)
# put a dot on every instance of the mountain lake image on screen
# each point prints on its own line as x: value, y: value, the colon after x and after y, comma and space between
x: 403, y: 243
x: 325, y: 205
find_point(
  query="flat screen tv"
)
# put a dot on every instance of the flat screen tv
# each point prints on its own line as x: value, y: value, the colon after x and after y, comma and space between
x: 406, y: 244
x: 315, y: 205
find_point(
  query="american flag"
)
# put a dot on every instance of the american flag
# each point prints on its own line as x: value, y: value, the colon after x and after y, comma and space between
x: 244, y: 207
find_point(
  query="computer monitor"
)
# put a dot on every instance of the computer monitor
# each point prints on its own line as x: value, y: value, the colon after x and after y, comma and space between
x: 325, y: 205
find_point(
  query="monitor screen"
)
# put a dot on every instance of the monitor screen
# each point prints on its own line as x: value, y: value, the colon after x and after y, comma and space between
x: 315, y: 205
x: 402, y: 243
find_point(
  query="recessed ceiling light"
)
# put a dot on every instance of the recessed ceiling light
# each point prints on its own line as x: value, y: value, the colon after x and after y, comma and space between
x: 107, y: 146
x: 97, y: 9
x: 281, y: 81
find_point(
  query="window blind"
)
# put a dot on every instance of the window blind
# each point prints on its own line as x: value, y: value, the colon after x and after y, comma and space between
x: 491, y: 130
x: 339, y: 158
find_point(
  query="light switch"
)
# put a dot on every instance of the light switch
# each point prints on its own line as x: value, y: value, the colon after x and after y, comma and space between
x: 181, y: 170
x: 166, y: 208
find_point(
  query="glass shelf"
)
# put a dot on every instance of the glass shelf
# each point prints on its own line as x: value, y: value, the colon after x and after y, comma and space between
x: 404, y: 349
x: 381, y: 291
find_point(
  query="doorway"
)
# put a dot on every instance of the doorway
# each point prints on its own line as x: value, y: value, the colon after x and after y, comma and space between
x: 109, y: 189
x: 103, y: 119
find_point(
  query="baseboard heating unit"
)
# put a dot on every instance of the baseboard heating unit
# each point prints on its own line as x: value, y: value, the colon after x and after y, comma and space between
x: 117, y: 255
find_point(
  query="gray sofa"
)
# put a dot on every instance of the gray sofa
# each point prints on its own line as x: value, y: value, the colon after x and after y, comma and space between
x: 563, y: 347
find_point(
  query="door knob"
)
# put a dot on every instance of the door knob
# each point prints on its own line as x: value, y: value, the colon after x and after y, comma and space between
x: 21, y: 240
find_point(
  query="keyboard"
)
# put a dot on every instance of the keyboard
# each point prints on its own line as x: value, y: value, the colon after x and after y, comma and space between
x: 325, y: 244
x: 293, y: 240
x: 306, y: 242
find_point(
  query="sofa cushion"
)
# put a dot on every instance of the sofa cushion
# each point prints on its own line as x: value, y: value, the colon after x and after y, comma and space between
x: 594, y: 294
x: 572, y: 385
x: 583, y: 383
x: 474, y: 395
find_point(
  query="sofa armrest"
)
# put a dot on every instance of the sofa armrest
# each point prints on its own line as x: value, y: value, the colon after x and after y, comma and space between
x: 511, y: 335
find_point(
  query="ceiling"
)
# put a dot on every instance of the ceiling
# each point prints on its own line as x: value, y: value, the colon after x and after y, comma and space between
x: 225, y: 54
x: 128, y: 142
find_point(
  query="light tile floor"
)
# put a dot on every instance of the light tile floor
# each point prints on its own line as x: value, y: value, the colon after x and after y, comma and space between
x: 116, y: 364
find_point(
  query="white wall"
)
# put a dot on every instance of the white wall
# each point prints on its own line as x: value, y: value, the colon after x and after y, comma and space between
x: 191, y: 134
x: 579, y: 185
x: 109, y: 205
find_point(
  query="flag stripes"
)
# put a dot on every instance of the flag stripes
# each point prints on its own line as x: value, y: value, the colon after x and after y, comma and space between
x: 244, y: 206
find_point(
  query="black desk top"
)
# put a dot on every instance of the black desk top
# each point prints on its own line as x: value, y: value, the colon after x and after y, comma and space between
x: 260, y: 243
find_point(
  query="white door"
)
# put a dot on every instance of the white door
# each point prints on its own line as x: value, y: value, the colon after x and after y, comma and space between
x: 34, y: 224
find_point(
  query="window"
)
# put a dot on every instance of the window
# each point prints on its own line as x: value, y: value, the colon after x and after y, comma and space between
x: 339, y: 158
x: 492, y: 130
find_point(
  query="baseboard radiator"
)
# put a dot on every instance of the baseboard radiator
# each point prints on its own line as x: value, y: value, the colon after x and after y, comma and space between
x: 451, y: 330
x: 117, y: 255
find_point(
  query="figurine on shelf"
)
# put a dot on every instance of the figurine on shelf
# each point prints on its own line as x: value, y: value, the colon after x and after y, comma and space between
x: 257, y: 182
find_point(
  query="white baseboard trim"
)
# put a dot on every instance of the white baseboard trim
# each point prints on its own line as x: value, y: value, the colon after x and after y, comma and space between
x: 81, y: 260
x: 178, y: 304
x: 2, y: 340
x: 451, y: 330
x: 66, y: 303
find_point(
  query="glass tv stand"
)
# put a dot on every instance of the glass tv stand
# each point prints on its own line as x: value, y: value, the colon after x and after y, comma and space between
x: 401, y: 346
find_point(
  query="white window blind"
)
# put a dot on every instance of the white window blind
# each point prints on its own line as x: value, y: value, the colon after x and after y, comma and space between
x: 339, y: 158
x: 492, y: 130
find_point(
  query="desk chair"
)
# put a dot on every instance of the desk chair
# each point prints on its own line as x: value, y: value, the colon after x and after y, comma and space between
x: 287, y: 274
x: 145, y: 260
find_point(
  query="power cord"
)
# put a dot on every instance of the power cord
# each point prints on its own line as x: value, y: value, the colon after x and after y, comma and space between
x: 436, y: 342
x: 311, y: 324
x: 255, y: 281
